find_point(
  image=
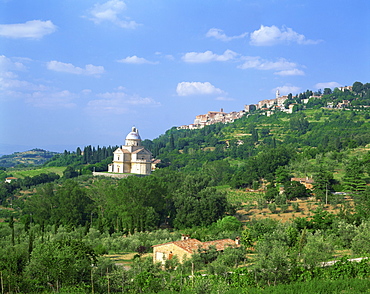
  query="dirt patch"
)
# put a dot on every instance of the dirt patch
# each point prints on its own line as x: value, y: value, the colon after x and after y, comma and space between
x: 306, y: 208
x: 125, y: 259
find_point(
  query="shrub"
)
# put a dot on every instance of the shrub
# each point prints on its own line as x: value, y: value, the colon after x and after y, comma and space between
x: 272, y: 207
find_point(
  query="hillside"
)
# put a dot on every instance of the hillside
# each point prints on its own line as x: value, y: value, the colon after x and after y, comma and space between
x: 26, y: 158
x: 309, y: 132
x: 332, y: 121
x: 295, y: 187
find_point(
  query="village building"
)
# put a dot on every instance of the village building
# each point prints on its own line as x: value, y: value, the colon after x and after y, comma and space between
x: 131, y: 157
x: 10, y: 179
x: 250, y: 107
x: 186, y: 247
x: 307, y: 182
x: 349, y: 88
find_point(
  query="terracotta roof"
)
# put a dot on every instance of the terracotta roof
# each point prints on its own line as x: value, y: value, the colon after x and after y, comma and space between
x: 122, y: 150
x: 189, y: 245
x: 219, y: 244
x: 192, y: 245
x: 141, y: 150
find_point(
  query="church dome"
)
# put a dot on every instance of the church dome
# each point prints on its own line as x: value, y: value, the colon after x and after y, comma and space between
x: 133, y: 138
x: 133, y: 135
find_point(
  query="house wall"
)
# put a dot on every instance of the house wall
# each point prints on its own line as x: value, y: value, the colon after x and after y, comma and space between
x: 161, y: 253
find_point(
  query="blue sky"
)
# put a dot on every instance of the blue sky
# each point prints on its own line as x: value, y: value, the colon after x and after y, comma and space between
x: 77, y: 73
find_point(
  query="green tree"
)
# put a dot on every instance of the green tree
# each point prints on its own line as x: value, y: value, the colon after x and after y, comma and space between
x: 69, y: 173
x: 73, y: 206
x: 357, y: 87
x: 201, y: 208
x: 294, y: 189
x: 323, y: 181
x: 316, y: 250
x: 61, y: 263
x: 11, y: 226
x: 42, y: 204
x: 271, y: 192
x: 254, y: 134
x: 139, y: 202
x: 273, y: 263
x: 13, y: 260
x: 299, y: 124
x: 219, y: 171
x: 360, y: 243
x: 282, y: 175
x: 228, y: 223
x: 353, y: 180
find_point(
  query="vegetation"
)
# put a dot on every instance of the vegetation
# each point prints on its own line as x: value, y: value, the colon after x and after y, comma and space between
x: 222, y: 181
x: 27, y: 158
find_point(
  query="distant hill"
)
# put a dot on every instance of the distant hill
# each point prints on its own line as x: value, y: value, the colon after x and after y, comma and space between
x: 26, y: 158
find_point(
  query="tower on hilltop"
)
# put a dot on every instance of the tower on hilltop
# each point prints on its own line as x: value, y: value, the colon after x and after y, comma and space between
x: 277, y: 93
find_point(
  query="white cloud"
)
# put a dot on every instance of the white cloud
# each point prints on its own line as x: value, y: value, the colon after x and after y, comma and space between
x: 166, y: 56
x: 6, y: 64
x: 11, y: 84
x: 110, y: 11
x: 208, y: 56
x: 268, y: 36
x: 86, y: 92
x: 52, y: 100
x: 136, y: 60
x: 263, y: 64
x: 281, y: 66
x: 38, y: 95
x: 330, y: 85
x: 118, y: 103
x: 284, y: 90
x: 70, y: 68
x: 290, y: 72
x: 34, y: 29
x: 9, y: 81
x: 220, y: 35
x: 197, y: 88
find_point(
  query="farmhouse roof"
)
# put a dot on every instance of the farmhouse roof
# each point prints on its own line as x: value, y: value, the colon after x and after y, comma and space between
x: 191, y: 245
x: 219, y: 244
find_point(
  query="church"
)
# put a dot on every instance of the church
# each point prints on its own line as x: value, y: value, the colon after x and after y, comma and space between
x: 131, y: 157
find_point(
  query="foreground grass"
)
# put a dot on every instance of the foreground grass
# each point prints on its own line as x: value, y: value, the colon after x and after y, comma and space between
x: 319, y: 286
x: 316, y: 286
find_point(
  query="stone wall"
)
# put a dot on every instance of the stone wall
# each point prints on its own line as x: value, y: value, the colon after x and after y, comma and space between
x: 112, y: 175
x: 169, y: 249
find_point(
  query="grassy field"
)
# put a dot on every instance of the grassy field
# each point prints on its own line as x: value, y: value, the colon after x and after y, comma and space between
x: 34, y: 172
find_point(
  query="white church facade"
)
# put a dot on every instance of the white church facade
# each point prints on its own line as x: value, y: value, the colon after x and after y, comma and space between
x: 131, y: 157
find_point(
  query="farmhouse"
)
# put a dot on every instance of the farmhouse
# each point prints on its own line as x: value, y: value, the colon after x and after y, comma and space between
x: 185, y: 247
x: 10, y: 179
x: 307, y: 182
x: 131, y: 157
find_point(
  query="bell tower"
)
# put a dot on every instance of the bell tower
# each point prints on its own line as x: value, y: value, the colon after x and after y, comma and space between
x: 277, y: 94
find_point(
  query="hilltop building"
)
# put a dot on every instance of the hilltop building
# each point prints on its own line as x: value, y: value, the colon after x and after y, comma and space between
x: 131, y: 157
x: 349, y: 88
x: 213, y: 117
